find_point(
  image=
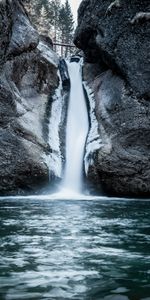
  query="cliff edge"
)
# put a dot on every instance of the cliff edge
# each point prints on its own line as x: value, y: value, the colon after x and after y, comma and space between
x: 115, y: 39
x: 28, y: 79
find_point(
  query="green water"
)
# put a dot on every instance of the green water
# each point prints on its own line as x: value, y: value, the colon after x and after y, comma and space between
x: 88, y: 250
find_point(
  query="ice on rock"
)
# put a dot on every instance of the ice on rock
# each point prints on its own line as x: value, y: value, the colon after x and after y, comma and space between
x: 55, y: 158
x: 93, y: 140
x: 48, y: 53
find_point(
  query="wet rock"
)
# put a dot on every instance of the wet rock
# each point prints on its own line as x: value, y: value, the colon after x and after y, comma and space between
x: 106, y: 31
x: 28, y: 79
x: 24, y: 37
x: 117, y: 81
x: 64, y: 74
x: 121, y: 160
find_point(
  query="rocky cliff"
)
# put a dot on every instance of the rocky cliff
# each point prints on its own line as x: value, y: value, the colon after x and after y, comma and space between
x: 28, y: 78
x: 115, y: 38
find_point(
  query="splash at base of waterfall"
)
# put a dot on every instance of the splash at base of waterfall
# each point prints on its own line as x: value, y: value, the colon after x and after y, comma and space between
x: 67, y: 194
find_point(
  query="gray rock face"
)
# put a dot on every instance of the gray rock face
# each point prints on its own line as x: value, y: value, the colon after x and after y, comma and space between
x: 28, y: 79
x: 106, y: 30
x: 23, y: 37
x: 117, y: 41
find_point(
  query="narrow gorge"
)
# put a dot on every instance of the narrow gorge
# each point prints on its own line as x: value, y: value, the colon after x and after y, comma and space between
x: 74, y: 150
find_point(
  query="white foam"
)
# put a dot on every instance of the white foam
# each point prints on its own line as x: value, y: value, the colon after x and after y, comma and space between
x: 69, y: 195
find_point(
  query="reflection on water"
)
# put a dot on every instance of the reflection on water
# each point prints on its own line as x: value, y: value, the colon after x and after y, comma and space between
x: 88, y: 250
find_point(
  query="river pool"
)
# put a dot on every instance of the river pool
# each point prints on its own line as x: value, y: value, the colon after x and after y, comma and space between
x: 74, y: 249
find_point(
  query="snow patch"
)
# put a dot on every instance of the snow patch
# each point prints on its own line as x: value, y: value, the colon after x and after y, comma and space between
x: 55, y: 158
x: 94, y: 141
x: 48, y: 53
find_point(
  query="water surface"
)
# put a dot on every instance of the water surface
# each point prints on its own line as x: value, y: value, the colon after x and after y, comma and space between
x: 89, y: 250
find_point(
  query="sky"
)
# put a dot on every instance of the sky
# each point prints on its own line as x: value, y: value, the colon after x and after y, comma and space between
x: 74, y: 6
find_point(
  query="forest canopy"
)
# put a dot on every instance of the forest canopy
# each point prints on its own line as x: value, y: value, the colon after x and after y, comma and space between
x: 52, y: 18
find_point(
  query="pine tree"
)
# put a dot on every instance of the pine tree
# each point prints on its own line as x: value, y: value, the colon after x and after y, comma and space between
x: 66, y: 24
x: 52, y: 18
x: 43, y: 21
x: 55, y: 9
x: 36, y: 10
x: 43, y: 4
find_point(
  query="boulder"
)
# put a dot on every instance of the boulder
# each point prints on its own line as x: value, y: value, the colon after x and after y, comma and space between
x: 112, y: 31
x: 28, y: 79
x: 114, y: 36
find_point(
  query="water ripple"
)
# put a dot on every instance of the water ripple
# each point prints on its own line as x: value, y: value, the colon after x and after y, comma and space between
x: 88, y: 250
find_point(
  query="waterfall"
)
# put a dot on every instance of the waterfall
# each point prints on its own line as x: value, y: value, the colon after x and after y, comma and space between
x: 76, y: 131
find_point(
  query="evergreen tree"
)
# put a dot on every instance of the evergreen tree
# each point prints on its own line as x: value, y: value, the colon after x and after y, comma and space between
x: 66, y: 23
x: 40, y: 11
x: 55, y: 9
x: 40, y: 4
x: 52, y: 18
x: 43, y: 21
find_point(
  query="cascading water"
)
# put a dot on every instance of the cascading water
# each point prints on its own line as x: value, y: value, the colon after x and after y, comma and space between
x: 76, y: 132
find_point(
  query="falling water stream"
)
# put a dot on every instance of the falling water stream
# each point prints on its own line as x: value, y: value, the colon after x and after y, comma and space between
x: 76, y: 132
